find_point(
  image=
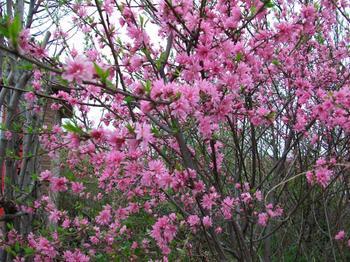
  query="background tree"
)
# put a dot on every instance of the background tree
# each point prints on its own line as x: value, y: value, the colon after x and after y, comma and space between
x: 221, y: 131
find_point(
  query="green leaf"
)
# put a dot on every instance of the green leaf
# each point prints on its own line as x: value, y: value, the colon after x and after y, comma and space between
x: 28, y: 251
x: 177, y: 72
x: 110, y: 84
x: 161, y: 60
x: 10, y: 250
x: 177, y: 96
x: 103, y: 74
x: 269, y: 4
x: 253, y: 10
x: 148, y: 87
x: 4, y: 26
x: 10, y: 226
x: 30, y: 130
x: 275, y: 62
x: 25, y: 65
x: 317, y: 6
x: 69, y: 175
x: 72, y: 127
x: 155, y: 131
x: 17, y: 127
x: 141, y: 20
x: 130, y: 128
x: 63, y: 81
x: 239, y: 57
x: 174, y: 126
x: 119, y: 41
x: 100, y: 258
x: 128, y: 99
x: 319, y: 38
x: 14, y: 29
x: 17, y: 247
x: 34, y: 176
x: 146, y: 52
x: 271, y: 116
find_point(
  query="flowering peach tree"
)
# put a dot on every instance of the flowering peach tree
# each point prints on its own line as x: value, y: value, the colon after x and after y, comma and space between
x: 199, y: 130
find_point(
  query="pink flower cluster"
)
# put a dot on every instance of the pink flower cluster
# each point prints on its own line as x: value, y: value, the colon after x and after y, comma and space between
x: 271, y: 212
x: 164, y: 231
x: 322, y: 174
x: 78, y: 69
x: 340, y: 236
x: 27, y: 47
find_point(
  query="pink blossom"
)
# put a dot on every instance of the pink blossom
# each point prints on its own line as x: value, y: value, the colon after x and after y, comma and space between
x: 104, y: 216
x: 232, y: 21
x: 258, y: 195
x: 8, y: 135
x: 54, y: 215
x: 310, y: 177
x: 108, y: 7
x: 340, y: 235
x: 193, y: 220
x: 262, y: 219
x: 46, y: 175
x: 226, y: 207
x: 66, y: 223
x: 30, y: 97
x: 218, y: 230
x: 76, y: 256
x: 323, y: 176
x: 164, y: 231
x: 207, y: 221
x: 42, y: 246
x: 208, y: 201
x: 78, y: 69
x: 77, y: 187
x: 205, y: 126
x: 58, y: 184
x: 246, y: 198
x: 23, y: 41
x: 144, y: 134
x: 134, y: 245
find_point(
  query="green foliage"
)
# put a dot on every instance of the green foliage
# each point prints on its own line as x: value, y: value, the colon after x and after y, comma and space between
x: 69, y: 175
x: 146, y: 52
x: 99, y: 257
x: 253, y: 10
x: 147, y: 87
x: 239, y: 57
x: 275, y: 62
x: 11, y: 28
x: 28, y: 251
x: 4, y: 24
x: 24, y: 65
x: 10, y: 226
x: 72, y: 127
x: 103, y: 74
x: 319, y: 38
x: 17, y: 126
x: 177, y: 72
x: 35, y: 177
x: 11, y: 251
x: 155, y: 131
x: 128, y: 99
x: 130, y: 128
x: 140, y: 221
x: 161, y: 60
x: 268, y: 4
x: 141, y: 21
